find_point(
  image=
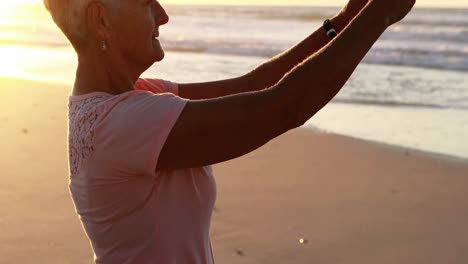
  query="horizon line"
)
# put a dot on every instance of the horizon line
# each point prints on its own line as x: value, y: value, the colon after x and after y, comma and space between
x: 421, y: 6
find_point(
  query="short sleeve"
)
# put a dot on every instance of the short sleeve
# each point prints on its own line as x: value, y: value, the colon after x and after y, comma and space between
x: 157, y: 86
x: 129, y: 139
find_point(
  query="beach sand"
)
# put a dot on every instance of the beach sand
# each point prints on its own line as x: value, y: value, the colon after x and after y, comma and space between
x: 351, y: 201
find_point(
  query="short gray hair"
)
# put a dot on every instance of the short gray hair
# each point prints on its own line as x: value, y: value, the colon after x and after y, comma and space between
x: 70, y: 17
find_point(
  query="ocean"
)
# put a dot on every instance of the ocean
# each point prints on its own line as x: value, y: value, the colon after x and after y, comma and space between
x: 411, y: 89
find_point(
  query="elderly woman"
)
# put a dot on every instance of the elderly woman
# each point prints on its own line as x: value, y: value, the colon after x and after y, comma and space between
x: 141, y: 150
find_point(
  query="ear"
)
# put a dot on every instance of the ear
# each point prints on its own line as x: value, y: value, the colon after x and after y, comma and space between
x: 98, y: 20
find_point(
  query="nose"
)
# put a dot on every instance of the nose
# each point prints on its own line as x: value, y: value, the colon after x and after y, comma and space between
x: 161, y: 15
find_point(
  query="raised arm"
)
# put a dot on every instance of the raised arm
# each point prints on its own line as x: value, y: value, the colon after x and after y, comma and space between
x: 217, y: 130
x: 312, y: 84
x: 270, y: 72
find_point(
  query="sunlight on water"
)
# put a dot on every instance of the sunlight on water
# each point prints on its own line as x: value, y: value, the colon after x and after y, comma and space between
x: 28, y: 63
x: 31, y: 46
x: 22, y: 15
x: 13, y: 61
x: 7, y: 12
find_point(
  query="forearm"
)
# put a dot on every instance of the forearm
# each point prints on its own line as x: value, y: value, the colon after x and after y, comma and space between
x: 270, y: 72
x: 313, y: 83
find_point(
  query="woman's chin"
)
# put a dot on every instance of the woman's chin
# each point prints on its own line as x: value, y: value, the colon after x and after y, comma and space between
x: 159, y: 51
x: 160, y: 56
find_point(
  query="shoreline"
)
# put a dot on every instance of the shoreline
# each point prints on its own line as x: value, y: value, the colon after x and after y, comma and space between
x: 308, y: 126
x: 404, y: 149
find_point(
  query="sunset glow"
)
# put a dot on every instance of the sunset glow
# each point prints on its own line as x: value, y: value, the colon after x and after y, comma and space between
x: 421, y: 3
x: 4, y: 4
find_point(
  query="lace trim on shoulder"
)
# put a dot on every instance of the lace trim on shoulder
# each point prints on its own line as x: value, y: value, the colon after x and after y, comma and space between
x: 82, y: 116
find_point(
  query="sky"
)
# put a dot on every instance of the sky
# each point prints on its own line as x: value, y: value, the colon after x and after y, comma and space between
x: 421, y: 3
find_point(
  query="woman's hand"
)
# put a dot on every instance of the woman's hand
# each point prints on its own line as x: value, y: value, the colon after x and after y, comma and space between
x: 353, y: 7
x: 396, y: 10
x: 347, y: 13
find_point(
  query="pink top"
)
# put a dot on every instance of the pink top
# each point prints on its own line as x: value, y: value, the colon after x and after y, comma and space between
x: 130, y: 212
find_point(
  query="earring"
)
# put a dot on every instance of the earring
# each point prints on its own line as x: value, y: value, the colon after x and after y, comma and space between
x: 103, y: 45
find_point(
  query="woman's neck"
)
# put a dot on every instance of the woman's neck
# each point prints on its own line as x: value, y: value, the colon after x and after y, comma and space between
x: 101, y: 73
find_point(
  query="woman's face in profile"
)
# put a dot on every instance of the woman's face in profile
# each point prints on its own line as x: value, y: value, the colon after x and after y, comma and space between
x: 135, y: 26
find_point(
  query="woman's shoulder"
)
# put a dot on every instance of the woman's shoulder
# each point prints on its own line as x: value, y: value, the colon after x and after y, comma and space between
x: 142, y: 84
x: 156, y: 85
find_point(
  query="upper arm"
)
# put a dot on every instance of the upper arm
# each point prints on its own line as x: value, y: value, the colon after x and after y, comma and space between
x: 216, y: 130
x: 156, y: 86
x: 214, y: 89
